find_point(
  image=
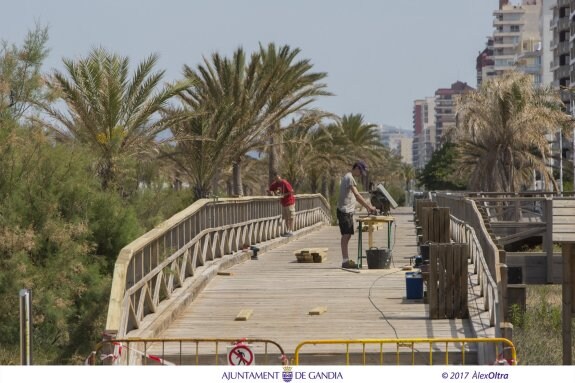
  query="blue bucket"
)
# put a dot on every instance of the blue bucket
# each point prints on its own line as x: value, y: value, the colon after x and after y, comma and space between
x: 414, y: 285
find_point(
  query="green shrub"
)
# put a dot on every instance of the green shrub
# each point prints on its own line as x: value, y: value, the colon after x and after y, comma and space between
x: 538, y: 335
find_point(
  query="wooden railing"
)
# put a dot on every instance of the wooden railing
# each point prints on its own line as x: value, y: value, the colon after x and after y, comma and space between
x: 463, y: 233
x: 175, y: 260
x: 466, y: 210
x: 467, y: 226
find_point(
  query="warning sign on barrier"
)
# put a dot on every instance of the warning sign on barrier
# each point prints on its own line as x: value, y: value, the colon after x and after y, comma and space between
x: 241, y: 355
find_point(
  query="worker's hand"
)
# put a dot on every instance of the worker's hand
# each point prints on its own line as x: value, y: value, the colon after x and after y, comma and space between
x: 372, y: 210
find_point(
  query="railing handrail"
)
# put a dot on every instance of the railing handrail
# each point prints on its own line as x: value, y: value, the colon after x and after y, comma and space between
x: 465, y: 209
x: 152, y: 266
x: 485, y: 279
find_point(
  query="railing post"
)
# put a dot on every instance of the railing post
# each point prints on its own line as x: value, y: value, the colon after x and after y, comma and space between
x: 25, y: 327
x: 548, y: 237
x: 568, y: 254
x: 108, y: 347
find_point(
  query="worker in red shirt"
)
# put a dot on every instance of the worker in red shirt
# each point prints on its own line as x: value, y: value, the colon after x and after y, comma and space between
x: 283, y: 188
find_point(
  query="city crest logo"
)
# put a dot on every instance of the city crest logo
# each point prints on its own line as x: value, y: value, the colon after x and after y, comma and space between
x: 287, y: 374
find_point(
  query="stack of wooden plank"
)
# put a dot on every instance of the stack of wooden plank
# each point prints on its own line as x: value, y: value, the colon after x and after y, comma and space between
x: 374, y: 227
x: 311, y: 255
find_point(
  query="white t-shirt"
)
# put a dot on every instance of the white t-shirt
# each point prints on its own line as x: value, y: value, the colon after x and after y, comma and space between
x: 346, y: 200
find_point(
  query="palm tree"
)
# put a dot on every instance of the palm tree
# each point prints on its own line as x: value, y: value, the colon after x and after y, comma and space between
x: 115, y: 116
x: 359, y: 140
x: 501, y: 132
x: 408, y: 173
x: 226, y: 97
x: 199, y: 153
x: 294, y: 88
x: 306, y: 150
x: 252, y: 97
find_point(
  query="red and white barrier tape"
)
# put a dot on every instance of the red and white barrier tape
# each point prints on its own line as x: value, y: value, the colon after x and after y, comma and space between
x: 116, y: 355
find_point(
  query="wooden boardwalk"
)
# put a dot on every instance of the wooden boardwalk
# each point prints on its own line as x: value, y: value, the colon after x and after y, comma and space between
x: 360, y: 305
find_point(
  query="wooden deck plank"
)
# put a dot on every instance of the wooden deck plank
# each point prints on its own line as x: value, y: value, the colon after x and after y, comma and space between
x: 368, y: 304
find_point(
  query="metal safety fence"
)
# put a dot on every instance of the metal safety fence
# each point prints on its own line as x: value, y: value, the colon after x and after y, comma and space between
x: 250, y: 351
x: 416, y: 351
x: 190, y: 351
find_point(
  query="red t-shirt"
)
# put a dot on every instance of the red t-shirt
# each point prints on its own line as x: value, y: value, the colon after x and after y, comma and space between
x: 284, y: 187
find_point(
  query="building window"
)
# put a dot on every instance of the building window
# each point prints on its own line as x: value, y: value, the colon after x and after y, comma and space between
x: 514, y: 28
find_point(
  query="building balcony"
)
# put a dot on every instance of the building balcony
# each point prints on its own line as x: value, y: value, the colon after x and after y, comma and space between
x: 504, y: 45
x: 527, y: 54
x: 506, y: 34
x: 553, y: 23
x: 563, y: 48
x: 510, y: 11
x: 563, y: 24
x: 509, y: 56
x: 532, y: 69
x: 553, y: 44
x: 500, y: 23
x: 562, y: 72
x: 499, y: 69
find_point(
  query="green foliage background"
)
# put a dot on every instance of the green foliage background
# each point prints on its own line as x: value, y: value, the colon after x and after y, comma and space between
x: 59, y: 236
x: 440, y: 173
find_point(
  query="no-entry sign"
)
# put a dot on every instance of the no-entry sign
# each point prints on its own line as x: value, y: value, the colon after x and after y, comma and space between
x: 241, y: 355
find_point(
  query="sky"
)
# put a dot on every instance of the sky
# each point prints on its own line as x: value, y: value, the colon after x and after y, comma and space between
x: 379, y: 55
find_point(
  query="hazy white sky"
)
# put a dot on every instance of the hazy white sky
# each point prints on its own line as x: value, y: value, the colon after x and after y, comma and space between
x: 380, y: 55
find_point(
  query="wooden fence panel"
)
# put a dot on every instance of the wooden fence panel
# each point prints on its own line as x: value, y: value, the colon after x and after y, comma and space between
x: 563, y: 221
x: 420, y: 204
x: 448, y: 275
x: 436, y: 224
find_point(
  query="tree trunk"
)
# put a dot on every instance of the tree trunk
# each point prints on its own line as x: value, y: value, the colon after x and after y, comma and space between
x: 332, y: 186
x: 273, y: 152
x: 237, y: 187
x: 199, y: 192
x: 325, y: 187
x: 215, y: 180
x: 511, y: 170
x: 106, y: 173
x: 313, y: 182
x: 230, y: 187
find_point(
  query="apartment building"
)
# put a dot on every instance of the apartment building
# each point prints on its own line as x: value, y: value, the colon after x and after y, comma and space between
x: 560, y: 29
x: 445, y: 109
x: 423, y: 131
x: 517, y: 39
x: 484, y: 62
x: 399, y: 141
x: 547, y: 10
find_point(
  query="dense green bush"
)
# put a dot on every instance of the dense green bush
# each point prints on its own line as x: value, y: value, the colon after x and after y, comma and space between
x: 60, y: 234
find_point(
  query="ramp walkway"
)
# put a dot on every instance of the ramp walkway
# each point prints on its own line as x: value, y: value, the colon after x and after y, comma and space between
x: 363, y: 304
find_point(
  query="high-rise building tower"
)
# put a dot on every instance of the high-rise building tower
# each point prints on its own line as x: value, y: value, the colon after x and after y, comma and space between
x: 547, y: 10
x: 517, y: 39
x: 560, y: 65
x: 484, y: 64
x: 423, y: 131
x: 445, y: 109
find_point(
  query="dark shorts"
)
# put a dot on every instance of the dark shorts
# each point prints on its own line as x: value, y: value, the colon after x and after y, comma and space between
x: 345, y: 221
